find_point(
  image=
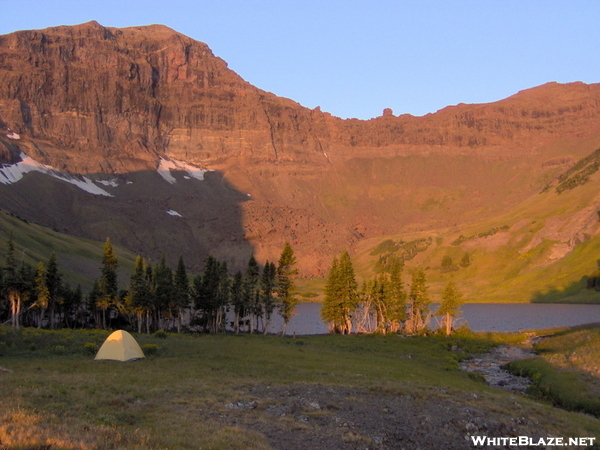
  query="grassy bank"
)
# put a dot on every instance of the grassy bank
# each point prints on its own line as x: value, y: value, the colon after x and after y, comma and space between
x: 55, y: 394
x: 567, y: 372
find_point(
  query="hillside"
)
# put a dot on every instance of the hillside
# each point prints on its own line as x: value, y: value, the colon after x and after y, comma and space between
x: 144, y: 135
x: 540, y: 250
x: 79, y: 260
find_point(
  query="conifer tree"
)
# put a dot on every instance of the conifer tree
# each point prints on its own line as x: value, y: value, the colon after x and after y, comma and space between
x: 267, y: 286
x: 92, y: 300
x: 341, y: 295
x: 381, y: 294
x: 331, y: 307
x: 397, y: 296
x: 237, y: 300
x: 250, y: 294
x: 72, y: 312
x: 108, y: 288
x: 42, y: 293
x: 211, y: 294
x: 138, y: 294
x: 163, y: 292
x: 286, y: 271
x: 182, y: 292
x: 15, y: 284
x: 53, y: 283
x: 223, y: 296
x: 418, y: 307
x: 451, y: 301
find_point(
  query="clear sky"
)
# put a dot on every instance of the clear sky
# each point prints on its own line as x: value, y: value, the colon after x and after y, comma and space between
x: 353, y: 58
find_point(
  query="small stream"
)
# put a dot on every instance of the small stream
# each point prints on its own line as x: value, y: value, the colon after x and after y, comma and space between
x: 489, y: 365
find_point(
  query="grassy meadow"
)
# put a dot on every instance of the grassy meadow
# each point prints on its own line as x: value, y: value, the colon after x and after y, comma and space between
x: 54, y: 395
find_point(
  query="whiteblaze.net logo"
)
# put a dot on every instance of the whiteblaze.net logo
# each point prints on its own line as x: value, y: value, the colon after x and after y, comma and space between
x: 526, y: 441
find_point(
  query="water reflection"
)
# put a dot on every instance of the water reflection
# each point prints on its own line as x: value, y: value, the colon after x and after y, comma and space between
x: 479, y: 316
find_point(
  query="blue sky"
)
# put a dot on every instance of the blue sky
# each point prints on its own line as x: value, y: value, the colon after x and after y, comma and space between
x: 354, y: 58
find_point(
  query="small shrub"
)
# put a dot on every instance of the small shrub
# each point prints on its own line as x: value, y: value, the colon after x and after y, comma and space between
x: 477, y: 377
x: 150, y: 349
x: 59, y: 350
x: 90, y: 348
x: 161, y: 334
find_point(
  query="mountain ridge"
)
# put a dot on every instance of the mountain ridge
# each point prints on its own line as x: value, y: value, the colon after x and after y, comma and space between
x: 106, y: 102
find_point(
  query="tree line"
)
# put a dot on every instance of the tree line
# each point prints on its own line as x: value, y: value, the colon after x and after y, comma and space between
x: 383, y: 304
x: 156, y: 297
x: 159, y: 298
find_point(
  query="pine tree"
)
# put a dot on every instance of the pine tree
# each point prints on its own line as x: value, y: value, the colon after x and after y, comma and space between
x: 163, y: 292
x: 211, y: 294
x: 182, y: 292
x: 341, y: 295
x: 331, y: 308
x: 53, y: 282
x: 108, y: 287
x: 237, y: 300
x: 138, y: 295
x: 250, y: 294
x: 380, y: 295
x: 451, y: 301
x: 285, y: 285
x: 42, y: 293
x: 92, y: 299
x: 73, y: 314
x: 267, y: 286
x: 397, y: 296
x: 223, y: 296
x: 14, y: 285
x: 418, y: 307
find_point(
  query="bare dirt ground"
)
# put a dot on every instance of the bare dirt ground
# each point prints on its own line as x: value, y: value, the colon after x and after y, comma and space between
x: 304, y: 417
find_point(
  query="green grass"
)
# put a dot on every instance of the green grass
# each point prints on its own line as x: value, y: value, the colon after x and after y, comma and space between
x: 567, y: 372
x: 78, y: 259
x: 56, y: 394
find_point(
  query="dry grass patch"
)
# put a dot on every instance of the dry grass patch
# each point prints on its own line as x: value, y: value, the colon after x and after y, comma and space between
x: 24, y: 429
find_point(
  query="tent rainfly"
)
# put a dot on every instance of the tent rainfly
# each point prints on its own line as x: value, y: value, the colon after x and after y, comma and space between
x: 120, y: 346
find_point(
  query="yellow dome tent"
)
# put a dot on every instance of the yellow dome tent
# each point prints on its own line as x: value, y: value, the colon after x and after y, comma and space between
x: 120, y: 346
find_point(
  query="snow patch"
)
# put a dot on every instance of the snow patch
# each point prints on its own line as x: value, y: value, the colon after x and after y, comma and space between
x: 86, y: 185
x: 111, y: 183
x: 15, y: 172
x: 173, y: 213
x: 167, y: 165
x: 13, y: 135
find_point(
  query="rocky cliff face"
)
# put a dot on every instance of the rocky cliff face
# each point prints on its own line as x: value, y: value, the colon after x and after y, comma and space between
x: 93, y: 100
x: 124, y: 97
